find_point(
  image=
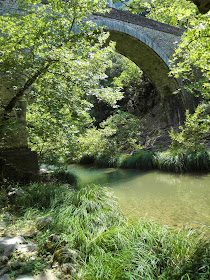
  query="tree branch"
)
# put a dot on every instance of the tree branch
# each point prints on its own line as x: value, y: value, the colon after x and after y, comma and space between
x: 22, y: 90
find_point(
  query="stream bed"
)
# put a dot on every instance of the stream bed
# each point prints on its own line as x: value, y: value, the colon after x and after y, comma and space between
x: 172, y: 199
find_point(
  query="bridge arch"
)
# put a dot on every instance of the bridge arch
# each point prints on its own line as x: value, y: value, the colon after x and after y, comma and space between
x: 149, y: 44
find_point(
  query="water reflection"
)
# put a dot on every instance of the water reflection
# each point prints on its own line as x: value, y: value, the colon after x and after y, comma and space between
x: 172, y: 199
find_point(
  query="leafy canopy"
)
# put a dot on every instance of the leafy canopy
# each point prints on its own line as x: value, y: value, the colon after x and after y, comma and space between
x: 116, y: 134
x: 54, y: 58
x: 40, y: 42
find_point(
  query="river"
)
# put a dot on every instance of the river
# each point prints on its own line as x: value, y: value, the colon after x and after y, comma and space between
x: 171, y: 199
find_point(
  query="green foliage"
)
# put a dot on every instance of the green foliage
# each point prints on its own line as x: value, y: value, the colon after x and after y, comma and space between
x: 193, y: 135
x: 54, y: 58
x: 178, y: 13
x: 182, y: 161
x: 88, y: 212
x: 134, y: 6
x: 89, y: 221
x: 134, y: 85
x: 142, y: 160
x: 64, y: 176
x: 46, y: 34
x: 190, y: 63
x: 32, y: 266
x: 130, y: 74
x: 40, y: 196
x: 118, y: 133
x: 177, y: 160
x: 191, y: 58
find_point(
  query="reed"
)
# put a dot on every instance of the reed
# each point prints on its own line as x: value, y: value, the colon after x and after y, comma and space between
x: 90, y: 222
x: 171, y: 160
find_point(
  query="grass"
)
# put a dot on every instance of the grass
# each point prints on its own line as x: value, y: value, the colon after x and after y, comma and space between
x: 89, y: 221
x: 180, y: 161
x: 171, y: 160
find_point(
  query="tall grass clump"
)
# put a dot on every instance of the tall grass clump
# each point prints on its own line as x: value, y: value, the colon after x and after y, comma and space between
x: 86, y: 214
x: 63, y: 175
x: 141, y: 160
x: 182, y: 161
x: 90, y: 222
x: 146, y: 250
x: 113, y: 248
x: 39, y: 196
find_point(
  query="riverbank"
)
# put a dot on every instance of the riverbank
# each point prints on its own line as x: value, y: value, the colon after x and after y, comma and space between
x: 176, y: 161
x: 83, y: 235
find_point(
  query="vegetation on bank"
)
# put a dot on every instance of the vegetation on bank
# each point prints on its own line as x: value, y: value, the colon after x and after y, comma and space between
x: 112, y: 146
x: 108, y: 246
x: 175, y: 161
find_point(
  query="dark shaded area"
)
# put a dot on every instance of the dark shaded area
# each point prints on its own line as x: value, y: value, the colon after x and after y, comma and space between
x: 203, y: 5
x: 18, y: 164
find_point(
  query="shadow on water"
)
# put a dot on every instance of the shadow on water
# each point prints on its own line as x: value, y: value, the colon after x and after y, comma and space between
x: 172, y: 199
x: 103, y: 176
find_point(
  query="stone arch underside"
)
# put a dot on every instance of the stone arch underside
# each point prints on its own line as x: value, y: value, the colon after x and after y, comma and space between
x: 144, y: 52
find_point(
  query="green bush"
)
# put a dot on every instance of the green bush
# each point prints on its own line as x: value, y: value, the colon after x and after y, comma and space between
x: 141, y: 160
x: 63, y: 175
x: 192, y: 136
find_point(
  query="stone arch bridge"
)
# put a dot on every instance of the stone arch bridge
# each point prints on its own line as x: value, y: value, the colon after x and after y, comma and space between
x: 148, y: 43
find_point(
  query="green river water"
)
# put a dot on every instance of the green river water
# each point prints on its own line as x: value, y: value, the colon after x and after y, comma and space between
x: 171, y: 199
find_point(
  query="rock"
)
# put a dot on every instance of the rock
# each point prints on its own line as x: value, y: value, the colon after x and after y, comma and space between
x: 54, y: 238
x: 50, y: 247
x: 29, y: 247
x: 4, y: 270
x: 17, y: 265
x: 5, y: 277
x: 7, y: 217
x: 32, y: 235
x: 65, y: 255
x: 44, y: 222
x: 9, y: 244
x: 15, y: 192
x: 48, y: 275
x: 3, y: 260
x: 69, y: 268
x: 53, y: 243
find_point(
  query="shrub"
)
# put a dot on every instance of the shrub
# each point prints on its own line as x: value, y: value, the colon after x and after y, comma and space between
x: 63, y: 175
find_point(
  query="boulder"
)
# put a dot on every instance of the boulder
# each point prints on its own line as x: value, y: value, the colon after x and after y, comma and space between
x: 44, y: 222
x: 9, y: 244
x: 5, y: 277
x: 65, y: 255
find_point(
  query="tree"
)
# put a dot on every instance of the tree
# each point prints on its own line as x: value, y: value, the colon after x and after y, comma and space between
x: 117, y: 134
x: 191, y: 58
x: 41, y: 42
x: 54, y: 58
x: 193, y: 136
